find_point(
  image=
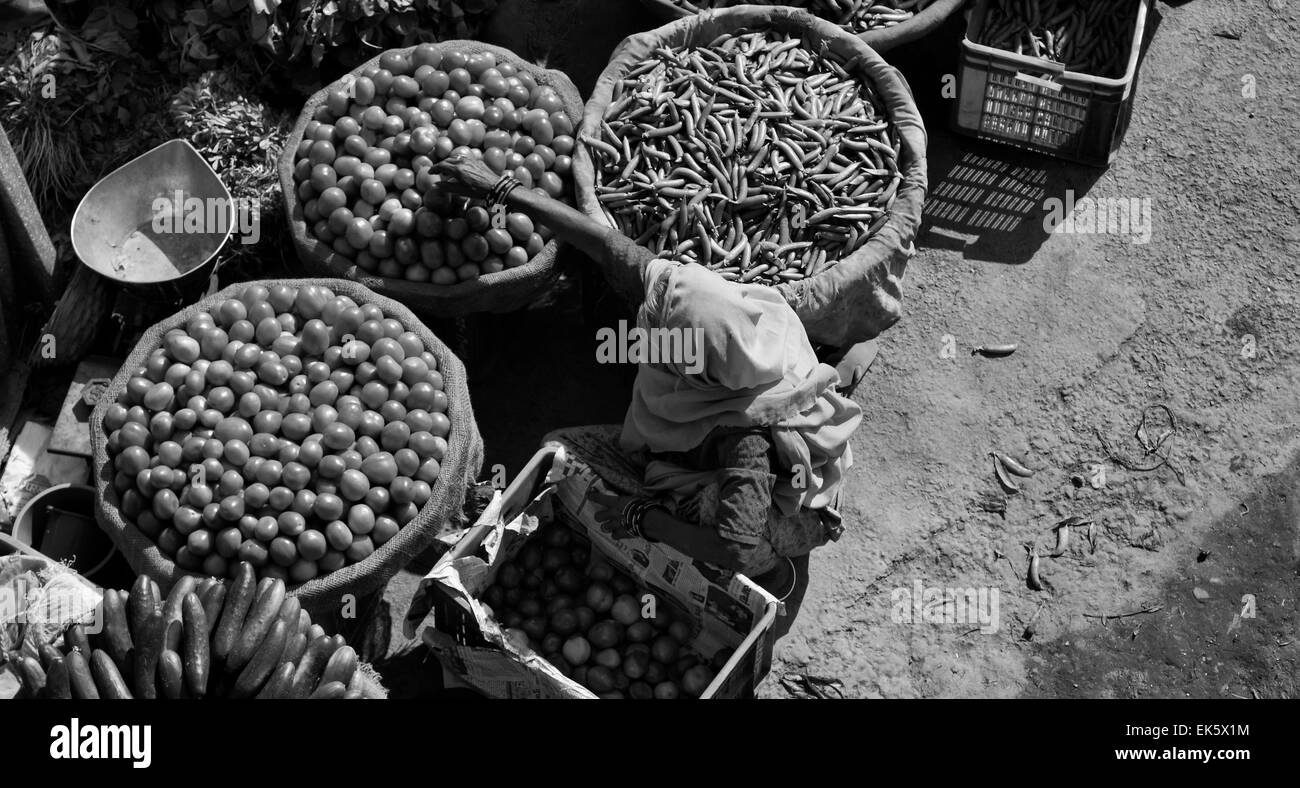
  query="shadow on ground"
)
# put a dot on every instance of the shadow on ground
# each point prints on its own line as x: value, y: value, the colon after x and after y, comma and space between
x: 986, y: 199
x: 1207, y: 639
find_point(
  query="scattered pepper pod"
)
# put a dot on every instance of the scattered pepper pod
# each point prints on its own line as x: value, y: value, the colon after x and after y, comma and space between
x: 1013, y: 466
x: 995, y: 351
x: 1004, y: 476
x: 1032, y: 579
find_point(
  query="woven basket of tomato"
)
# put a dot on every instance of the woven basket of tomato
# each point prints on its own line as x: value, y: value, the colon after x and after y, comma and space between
x: 311, y: 428
x: 364, y: 203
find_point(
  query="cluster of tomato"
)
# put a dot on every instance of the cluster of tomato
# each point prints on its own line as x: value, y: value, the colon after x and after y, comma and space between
x: 364, y: 170
x: 593, y: 625
x: 290, y: 427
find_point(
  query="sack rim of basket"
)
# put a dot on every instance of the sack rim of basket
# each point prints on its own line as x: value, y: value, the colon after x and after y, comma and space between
x: 873, y: 265
x: 883, y: 39
x: 336, y: 265
x: 362, y: 577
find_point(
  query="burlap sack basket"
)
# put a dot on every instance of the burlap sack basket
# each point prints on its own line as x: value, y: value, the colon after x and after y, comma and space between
x: 859, y: 296
x: 321, y: 596
x: 882, y: 39
x: 506, y: 291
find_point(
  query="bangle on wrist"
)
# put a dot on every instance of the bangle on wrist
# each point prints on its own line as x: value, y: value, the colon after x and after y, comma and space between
x: 502, y: 189
x: 634, y: 513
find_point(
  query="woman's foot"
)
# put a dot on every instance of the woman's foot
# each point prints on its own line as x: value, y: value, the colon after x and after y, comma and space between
x: 852, y: 363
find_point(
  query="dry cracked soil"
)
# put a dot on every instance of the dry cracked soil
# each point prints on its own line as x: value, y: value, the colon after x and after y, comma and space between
x: 1189, y: 587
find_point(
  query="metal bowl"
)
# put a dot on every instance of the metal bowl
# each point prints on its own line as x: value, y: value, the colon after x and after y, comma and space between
x: 160, y: 218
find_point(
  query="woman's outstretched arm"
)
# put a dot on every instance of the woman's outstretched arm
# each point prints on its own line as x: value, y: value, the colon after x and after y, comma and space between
x: 601, y: 243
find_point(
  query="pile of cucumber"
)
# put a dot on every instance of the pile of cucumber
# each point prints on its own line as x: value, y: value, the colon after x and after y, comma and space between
x: 206, y: 639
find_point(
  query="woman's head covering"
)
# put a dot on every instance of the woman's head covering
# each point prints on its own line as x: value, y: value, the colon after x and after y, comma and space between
x: 751, y: 365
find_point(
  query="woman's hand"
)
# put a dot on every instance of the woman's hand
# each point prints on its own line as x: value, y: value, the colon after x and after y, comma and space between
x: 475, y: 177
x: 609, y: 513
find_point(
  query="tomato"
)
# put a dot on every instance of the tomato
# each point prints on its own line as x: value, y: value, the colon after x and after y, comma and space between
x: 636, y: 661
x: 475, y: 247
x: 283, y: 551
x: 323, y: 177
x: 599, y: 597
x: 696, y: 680
x: 361, y: 548
x: 542, y: 131
x: 406, y: 86
x: 470, y: 108
x: 459, y: 132
x: 353, y: 485
x: 665, y: 649
x: 373, y: 191
x: 549, y: 101
x: 626, y: 610
x: 552, y: 185
x: 311, y: 545
x: 435, y: 83
x: 397, y: 61
x: 460, y: 80
x: 441, y: 425
x: 515, y: 257
x: 385, y: 528
x: 183, y: 348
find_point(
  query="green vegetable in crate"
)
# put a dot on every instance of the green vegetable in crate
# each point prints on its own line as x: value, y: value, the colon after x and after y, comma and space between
x: 596, y: 635
x: 289, y: 428
x: 365, y: 174
x: 857, y: 16
x: 1091, y: 38
x: 754, y: 156
x: 187, y: 671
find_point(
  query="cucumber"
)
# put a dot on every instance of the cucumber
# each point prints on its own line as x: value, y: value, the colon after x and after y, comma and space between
x: 333, y: 690
x: 33, y: 676
x: 28, y: 648
x: 239, y: 598
x: 264, y: 661
x: 107, y: 677
x: 358, y: 681
x: 75, y: 637
x: 57, y: 686
x: 83, y: 686
x: 258, y: 623
x: 312, y: 665
x: 295, y: 648
x: 171, y: 678
x: 117, y: 634
x: 342, y: 664
x: 48, y: 654
x: 289, y: 610
x: 213, y: 599
x: 142, y: 601
x: 148, y: 648
x: 172, y: 609
x: 277, y: 687
x: 197, y: 651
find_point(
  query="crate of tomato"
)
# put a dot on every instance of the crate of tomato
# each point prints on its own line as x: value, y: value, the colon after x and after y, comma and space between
x: 536, y: 601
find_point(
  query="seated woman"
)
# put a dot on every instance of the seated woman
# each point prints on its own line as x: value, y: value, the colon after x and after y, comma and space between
x: 735, y: 458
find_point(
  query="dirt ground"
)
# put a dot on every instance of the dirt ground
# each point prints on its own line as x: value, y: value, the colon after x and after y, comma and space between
x: 1201, y: 319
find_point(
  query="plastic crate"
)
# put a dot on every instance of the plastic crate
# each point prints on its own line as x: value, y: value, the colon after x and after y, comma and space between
x: 739, y: 677
x: 1036, y: 104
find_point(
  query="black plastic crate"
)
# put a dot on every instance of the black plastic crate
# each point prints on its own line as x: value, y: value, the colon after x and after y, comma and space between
x: 1037, y: 104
